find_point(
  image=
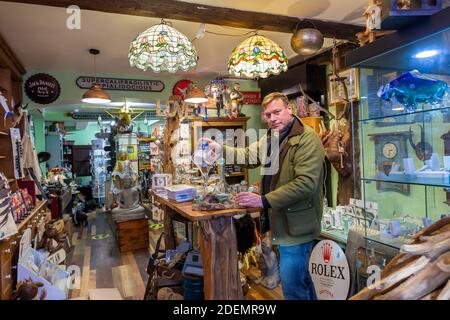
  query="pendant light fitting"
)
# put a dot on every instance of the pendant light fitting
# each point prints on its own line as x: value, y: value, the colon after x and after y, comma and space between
x: 95, y: 94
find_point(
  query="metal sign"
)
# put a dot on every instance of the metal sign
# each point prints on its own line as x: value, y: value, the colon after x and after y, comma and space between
x: 252, y: 97
x: 85, y: 82
x: 42, y: 88
x: 329, y: 271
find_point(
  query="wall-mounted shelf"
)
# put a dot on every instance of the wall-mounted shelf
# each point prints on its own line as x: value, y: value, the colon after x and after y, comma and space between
x: 2, y: 157
x: 37, y: 208
x: 3, y: 134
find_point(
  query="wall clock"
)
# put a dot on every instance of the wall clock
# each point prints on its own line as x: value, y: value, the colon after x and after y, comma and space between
x: 390, y: 147
x: 390, y: 150
x: 180, y: 88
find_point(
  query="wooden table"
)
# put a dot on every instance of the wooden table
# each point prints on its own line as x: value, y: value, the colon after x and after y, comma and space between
x: 218, y: 246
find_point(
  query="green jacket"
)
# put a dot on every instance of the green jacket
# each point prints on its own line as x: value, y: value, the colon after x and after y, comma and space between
x: 296, y: 196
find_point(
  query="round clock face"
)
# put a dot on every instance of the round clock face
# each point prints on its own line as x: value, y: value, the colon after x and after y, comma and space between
x: 180, y: 88
x: 389, y: 150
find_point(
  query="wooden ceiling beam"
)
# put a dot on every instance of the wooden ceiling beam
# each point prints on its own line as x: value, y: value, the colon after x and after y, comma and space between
x: 178, y: 10
x: 10, y: 61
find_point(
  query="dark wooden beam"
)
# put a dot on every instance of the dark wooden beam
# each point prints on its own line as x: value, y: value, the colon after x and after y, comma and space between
x: 178, y: 10
x: 9, y: 61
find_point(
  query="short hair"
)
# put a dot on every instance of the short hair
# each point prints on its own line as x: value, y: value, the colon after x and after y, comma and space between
x: 274, y: 96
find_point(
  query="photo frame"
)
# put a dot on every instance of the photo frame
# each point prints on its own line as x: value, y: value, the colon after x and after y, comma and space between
x: 154, y: 149
x: 161, y: 181
x: 336, y: 89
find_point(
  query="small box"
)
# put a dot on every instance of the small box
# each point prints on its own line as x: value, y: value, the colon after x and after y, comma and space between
x: 180, y: 193
x: 193, y: 264
x: 132, y: 234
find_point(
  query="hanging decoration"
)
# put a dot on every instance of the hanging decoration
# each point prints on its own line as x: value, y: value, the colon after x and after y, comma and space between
x: 257, y: 57
x: 95, y: 94
x: 162, y: 48
x: 307, y: 41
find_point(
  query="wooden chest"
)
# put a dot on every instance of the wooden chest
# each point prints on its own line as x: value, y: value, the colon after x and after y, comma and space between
x: 132, y: 235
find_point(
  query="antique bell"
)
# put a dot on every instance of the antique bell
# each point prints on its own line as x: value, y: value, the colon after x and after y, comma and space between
x: 306, y: 41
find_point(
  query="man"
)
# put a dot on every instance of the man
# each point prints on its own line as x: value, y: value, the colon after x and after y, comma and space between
x: 291, y: 197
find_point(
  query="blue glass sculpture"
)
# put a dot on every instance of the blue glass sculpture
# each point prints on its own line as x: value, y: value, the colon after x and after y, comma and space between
x: 413, y: 88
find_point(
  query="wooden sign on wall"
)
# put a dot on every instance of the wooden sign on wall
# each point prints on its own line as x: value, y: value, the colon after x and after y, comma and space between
x: 85, y: 82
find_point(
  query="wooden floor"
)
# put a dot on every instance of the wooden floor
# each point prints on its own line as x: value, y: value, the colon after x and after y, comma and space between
x: 103, y: 266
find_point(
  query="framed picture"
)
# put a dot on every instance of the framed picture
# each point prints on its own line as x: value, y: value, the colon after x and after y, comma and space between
x: 160, y: 181
x: 154, y: 149
x: 336, y: 93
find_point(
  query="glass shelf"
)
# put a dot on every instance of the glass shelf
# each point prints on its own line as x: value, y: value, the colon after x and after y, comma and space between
x: 445, y: 111
x: 432, y: 182
x: 335, y: 235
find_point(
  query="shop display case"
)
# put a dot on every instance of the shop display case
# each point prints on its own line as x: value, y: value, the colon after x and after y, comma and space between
x: 100, y: 160
x: 403, y: 131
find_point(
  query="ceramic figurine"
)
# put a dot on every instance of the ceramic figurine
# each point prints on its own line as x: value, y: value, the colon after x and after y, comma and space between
x: 268, y: 264
x: 236, y: 102
x: 29, y: 290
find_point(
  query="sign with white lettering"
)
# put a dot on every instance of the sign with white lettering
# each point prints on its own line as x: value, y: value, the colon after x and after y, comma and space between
x: 42, y: 88
x: 329, y: 270
x: 84, y: 82
x: 252, y: 97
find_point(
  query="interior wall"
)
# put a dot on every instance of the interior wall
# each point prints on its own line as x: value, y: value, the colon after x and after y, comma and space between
x: 71, y: 94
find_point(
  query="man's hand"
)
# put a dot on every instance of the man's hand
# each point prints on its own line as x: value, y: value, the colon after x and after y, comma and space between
x: 212, y: 145
x: 249, y: 200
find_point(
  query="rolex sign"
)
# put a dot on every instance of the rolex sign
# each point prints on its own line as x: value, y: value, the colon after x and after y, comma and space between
x: 329, y: 270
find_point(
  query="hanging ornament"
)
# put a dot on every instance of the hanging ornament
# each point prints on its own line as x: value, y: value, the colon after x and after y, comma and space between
x: 307, y: 41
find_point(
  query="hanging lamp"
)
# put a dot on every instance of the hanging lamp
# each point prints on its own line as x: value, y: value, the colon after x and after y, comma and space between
x: 257, y: 57
x: 162, y: 48
x: 195, y: 95
x: 95, y: 94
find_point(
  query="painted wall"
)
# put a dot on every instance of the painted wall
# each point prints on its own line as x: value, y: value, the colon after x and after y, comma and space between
x: 71, y: 94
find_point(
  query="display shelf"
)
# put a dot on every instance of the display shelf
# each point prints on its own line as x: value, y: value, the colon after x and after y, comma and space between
x: 431, y: 182
x: 2, y: 157
x: 235, y: 174
x: 393, y: 141
x: 395, y: 243
x: 336, y: 235
x: 39, y: 206
x: 11, y: 180
x: 406, y: 114
x: 3, y: 133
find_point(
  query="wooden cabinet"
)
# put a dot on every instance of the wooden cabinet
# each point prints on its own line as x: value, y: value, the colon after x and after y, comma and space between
x: 82, y: 160
x: 9, y: 252
x: 11, y: 72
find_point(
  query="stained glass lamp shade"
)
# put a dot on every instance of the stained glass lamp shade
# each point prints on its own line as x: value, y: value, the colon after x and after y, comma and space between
x: 162, y: 48
x: 257, y: 57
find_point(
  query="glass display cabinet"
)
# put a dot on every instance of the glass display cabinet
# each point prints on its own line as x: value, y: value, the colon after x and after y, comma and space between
x: 404, y: 131
x: 100, y: 159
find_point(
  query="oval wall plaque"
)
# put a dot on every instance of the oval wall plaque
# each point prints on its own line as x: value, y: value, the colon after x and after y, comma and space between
x: 42, y: 88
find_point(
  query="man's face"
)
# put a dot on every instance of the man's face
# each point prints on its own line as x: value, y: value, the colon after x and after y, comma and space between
x: 278, y: 115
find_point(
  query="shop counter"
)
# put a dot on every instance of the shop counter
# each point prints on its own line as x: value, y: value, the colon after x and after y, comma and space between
x: 218, y: 245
